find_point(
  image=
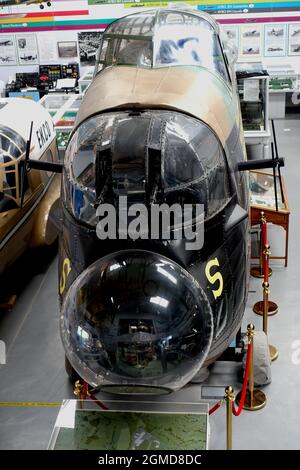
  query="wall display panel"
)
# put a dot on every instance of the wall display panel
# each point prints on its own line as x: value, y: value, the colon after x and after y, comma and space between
x: 250, y: 40
x: 27, y: 49
x: 294, y: 39
x: 275, y: 40
x: 7, y: 50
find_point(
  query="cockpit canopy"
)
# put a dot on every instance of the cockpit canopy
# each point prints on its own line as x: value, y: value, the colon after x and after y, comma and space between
x: 163, y: 38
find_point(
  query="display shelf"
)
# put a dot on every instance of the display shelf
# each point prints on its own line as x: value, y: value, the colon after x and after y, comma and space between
x: 253, y: 88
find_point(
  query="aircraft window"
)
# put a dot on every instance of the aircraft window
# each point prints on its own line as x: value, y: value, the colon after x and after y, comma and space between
x: 189, y: 45
x: 140, y: 25
x: 189, y: 162
x: 11, y: 142
x: 8, y: 184
x: 194, y: 164
x: 103, y: 50
x: 133, y: 52
x: 12, y: 149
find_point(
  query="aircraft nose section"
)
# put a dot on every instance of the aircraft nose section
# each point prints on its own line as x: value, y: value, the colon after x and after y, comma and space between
x: 136, y: 322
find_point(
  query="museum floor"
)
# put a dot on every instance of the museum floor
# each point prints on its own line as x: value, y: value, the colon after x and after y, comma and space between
x: 35, y: 358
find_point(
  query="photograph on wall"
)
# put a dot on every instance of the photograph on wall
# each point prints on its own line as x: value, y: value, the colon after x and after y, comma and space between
x: 89, y: 43
x: 250, y: 40
x: 231, y: 32
x: 67, y: 49
x: 27, y: 49
x: 275, y: 40
x: 7, y: 50
x: 294, y: 39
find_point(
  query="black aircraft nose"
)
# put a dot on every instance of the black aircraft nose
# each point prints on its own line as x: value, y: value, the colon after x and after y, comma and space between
x: 136, y: 322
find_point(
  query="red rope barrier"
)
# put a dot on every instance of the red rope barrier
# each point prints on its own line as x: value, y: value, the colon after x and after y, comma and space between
x: 215, y: 407
x: 84, y: 391
x: 264, y: 235
x: 99, y: 403
x: 238, y: 411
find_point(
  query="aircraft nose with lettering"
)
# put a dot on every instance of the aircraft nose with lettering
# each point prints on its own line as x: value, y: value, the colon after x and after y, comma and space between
x: 143, y: 313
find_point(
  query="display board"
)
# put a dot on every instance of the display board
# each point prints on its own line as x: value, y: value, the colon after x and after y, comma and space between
x: 63, y: 29
x: 123, y: 426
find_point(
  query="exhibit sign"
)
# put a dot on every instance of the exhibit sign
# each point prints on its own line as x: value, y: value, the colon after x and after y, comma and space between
x: 8, y: 50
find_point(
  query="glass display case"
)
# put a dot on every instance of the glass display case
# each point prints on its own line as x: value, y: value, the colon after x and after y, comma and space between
x: 63, y: 109
x: 262, y: 191
x: 262, y: 198
x: 85, y: 80
x: 283, y: 81
x: 53, y: 103
x: 130, y: 425
x: 253, y: 83
x: 282, y: 78
x: 253, y: 88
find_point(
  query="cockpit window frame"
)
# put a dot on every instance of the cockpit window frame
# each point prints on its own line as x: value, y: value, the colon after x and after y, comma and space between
x: 111, y: 36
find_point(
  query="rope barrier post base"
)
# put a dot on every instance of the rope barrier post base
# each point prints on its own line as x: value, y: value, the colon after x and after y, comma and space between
x: 259, y: 308
x: 255, y: 399
x: 229, y: 398
x: 255, y: 271
x: 255, y: 402
x: 274, y: 353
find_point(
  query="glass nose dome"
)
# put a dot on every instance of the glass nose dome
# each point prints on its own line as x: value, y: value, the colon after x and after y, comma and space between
x: 136, y: 322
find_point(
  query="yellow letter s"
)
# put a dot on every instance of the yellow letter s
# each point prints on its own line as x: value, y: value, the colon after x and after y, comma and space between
x: 215, y: 277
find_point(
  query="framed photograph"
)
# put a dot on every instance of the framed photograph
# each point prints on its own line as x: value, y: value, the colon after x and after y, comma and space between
x: 294, y: 39
x: 7, y: 50
x: 275, y: 40
x: 67, y: 49
x: 89, y: 43
x: 27, y: 49
x: 250, y: 41
x: 231, y: 32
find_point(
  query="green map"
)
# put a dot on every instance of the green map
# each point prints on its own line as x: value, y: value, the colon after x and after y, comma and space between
x: 116, y: 430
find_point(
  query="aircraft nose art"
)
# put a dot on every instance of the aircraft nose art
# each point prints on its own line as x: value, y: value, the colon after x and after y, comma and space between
x: 136, y: 322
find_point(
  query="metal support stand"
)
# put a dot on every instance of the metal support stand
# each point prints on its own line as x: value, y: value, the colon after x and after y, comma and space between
x: 229, y: 398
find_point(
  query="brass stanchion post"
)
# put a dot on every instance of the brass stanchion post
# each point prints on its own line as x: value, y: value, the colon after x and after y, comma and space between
x: 274, y: 353
x: 257, y: 271
x: 260, y: 306
x: 229, y: 398
x: 255, y: 399
x: 78, y: 389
